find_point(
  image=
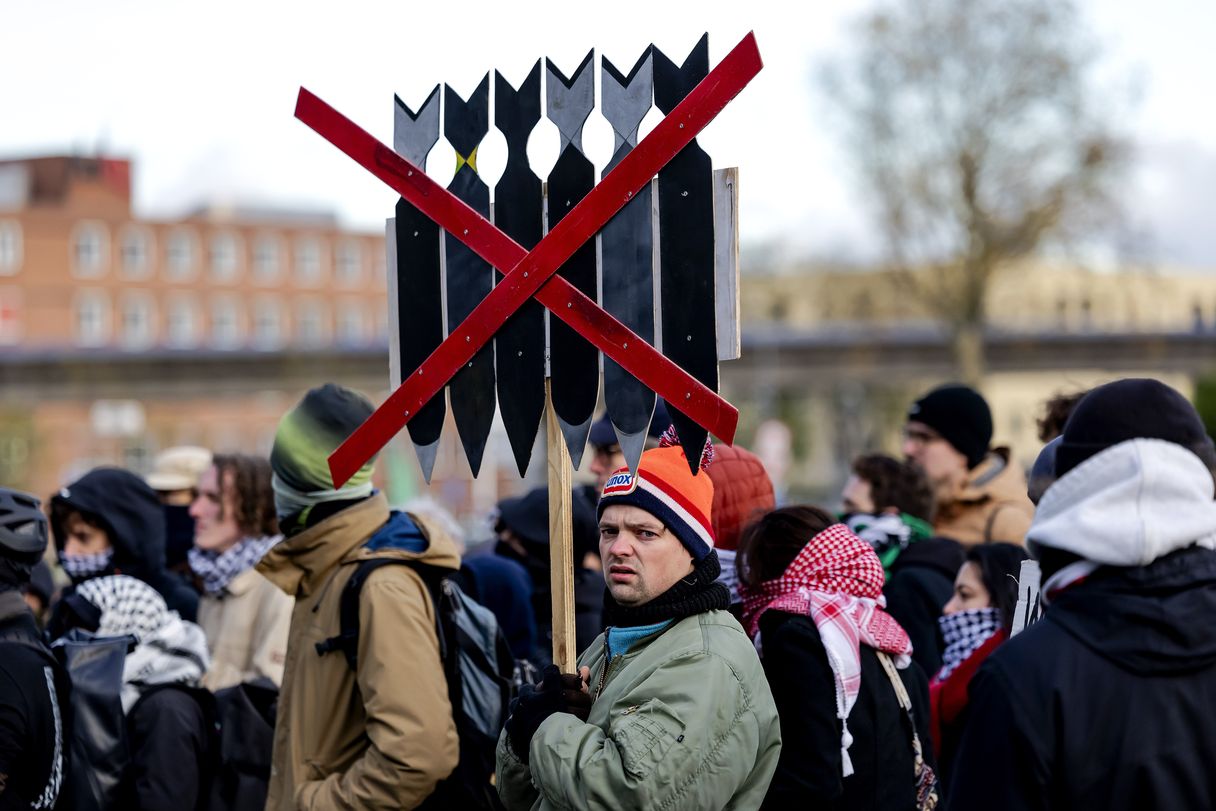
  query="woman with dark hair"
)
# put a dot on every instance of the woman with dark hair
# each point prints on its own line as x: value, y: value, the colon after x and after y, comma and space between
x: 974, y: 623
x: 853, y: 707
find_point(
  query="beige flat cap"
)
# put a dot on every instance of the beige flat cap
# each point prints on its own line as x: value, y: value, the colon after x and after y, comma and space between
x: 179, y: 468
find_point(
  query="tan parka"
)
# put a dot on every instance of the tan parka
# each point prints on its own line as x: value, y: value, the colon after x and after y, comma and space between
x: 246, y: 627
x: 991, y: 506
x: 385, y: 739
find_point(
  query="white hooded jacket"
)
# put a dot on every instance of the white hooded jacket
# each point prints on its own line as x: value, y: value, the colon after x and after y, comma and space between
x: 1129, y: 505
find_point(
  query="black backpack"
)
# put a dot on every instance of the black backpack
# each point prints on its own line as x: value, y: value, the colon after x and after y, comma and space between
x: 99, y: 744
x: 477, y: 663
x: 246, y: 714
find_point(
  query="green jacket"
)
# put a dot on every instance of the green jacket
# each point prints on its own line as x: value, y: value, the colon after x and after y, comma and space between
x: 685, y: 719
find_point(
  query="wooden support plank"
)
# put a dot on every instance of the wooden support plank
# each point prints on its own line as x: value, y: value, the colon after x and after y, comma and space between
x: 561, y: 539
x: 726, y: 262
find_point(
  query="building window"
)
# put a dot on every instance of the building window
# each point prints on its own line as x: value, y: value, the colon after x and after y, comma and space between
x: 10, y: 247
x: 181, y: 254
x: 92, y: 318
x: 348, y: 263
x: 182, y: 322
x: 90, y: 249
x: 225, y: 255
x: 308, y: 262
x: 312, y: 323
x: 135, y: 252
x: 267, y: 323
x: 267, y: 264
x: 225, y: 322
x: 136, y: 328
x: 352, y: 321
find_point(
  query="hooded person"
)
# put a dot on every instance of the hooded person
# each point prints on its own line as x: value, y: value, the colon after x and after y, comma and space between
x: 1105, y: 702
x: 979, y: 491
x: 33, y: 687
x: 670, y: 708
x: 853, y: 705
x: 353, y: 737
x: 109, y: 521
x: 169, y: 720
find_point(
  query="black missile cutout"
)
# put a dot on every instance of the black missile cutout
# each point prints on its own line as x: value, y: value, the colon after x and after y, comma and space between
x: 419, y: 298
x: 686, y: 248
x: 469, y: 277
x: 573, y: 361
x: 627, y: 256
x: 519, y: 346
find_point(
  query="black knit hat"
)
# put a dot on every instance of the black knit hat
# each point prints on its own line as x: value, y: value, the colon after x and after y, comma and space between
x: 1135, y: 408
x: 960, y: 415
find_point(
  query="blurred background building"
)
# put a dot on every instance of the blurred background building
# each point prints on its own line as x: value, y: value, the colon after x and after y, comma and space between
x: 122, y: 336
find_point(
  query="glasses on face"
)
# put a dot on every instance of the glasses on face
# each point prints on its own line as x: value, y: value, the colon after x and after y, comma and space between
x: 920, y: 436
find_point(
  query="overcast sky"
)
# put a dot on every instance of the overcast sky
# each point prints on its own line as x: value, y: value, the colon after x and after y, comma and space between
x: 201, y: 97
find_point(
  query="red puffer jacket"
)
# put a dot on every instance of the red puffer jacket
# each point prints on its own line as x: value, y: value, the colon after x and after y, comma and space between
x: 742, y: 493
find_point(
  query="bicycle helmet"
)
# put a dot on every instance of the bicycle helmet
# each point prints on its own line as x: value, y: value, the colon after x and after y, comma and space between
x: 23, y: 525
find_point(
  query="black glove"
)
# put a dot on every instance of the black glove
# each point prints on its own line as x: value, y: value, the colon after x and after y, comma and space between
x: 536, y: 702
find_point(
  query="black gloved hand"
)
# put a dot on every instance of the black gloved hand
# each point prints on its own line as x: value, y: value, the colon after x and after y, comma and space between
x: 536, y: 702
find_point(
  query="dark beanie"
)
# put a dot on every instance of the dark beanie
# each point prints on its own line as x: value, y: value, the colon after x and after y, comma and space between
x: 1135, y: 408
x: 960, y: 415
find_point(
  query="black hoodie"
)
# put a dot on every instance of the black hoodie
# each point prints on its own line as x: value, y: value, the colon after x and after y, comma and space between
x: 133, y: 518
x: 1108, y: 702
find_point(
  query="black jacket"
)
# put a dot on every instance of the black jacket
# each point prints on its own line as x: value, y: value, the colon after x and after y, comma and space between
x: 134, y: 520
x: 1107, y: 702
x: 31, y: 719
x: 809, y: 773
x: 922, y: 581
x: 172, y: 737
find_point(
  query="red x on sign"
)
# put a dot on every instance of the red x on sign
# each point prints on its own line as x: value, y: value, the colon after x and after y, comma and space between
x: 530, y: 274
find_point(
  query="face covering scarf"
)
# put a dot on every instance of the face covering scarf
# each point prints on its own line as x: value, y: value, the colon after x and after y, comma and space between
x: 964, y: 632
x: 82, y: 567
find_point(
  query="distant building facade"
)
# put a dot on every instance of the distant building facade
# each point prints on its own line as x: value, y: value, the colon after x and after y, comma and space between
x: 123, y: 335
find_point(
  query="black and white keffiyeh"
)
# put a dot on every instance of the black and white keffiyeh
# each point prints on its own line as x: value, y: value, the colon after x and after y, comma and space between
x: 964, y: 632
x: 82, y: 567
x: 170, y: 650
x: 217, y: 569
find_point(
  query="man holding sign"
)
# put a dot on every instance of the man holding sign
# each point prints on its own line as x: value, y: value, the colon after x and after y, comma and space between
x: 671, y: 707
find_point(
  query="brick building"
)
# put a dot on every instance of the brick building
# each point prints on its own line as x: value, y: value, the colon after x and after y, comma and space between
x: 120, y: 335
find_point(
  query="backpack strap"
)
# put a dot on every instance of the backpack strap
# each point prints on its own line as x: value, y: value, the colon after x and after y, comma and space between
x: 347, y: 640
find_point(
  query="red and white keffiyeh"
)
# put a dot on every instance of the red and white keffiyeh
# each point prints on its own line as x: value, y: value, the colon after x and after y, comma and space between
x: 837, y: 581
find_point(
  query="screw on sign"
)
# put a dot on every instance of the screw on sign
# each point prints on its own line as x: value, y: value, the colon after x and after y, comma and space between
x: 530, y: 274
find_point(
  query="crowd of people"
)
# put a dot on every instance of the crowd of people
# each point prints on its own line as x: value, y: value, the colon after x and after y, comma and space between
x: 234, y: 632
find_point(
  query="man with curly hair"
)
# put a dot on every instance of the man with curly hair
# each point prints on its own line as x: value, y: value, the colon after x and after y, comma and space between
x: 246, y: 618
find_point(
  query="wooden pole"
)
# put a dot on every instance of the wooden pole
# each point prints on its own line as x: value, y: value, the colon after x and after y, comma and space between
x: 561, y: 539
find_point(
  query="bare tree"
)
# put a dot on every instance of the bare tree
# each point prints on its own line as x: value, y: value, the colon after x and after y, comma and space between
x: 979, y: 134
